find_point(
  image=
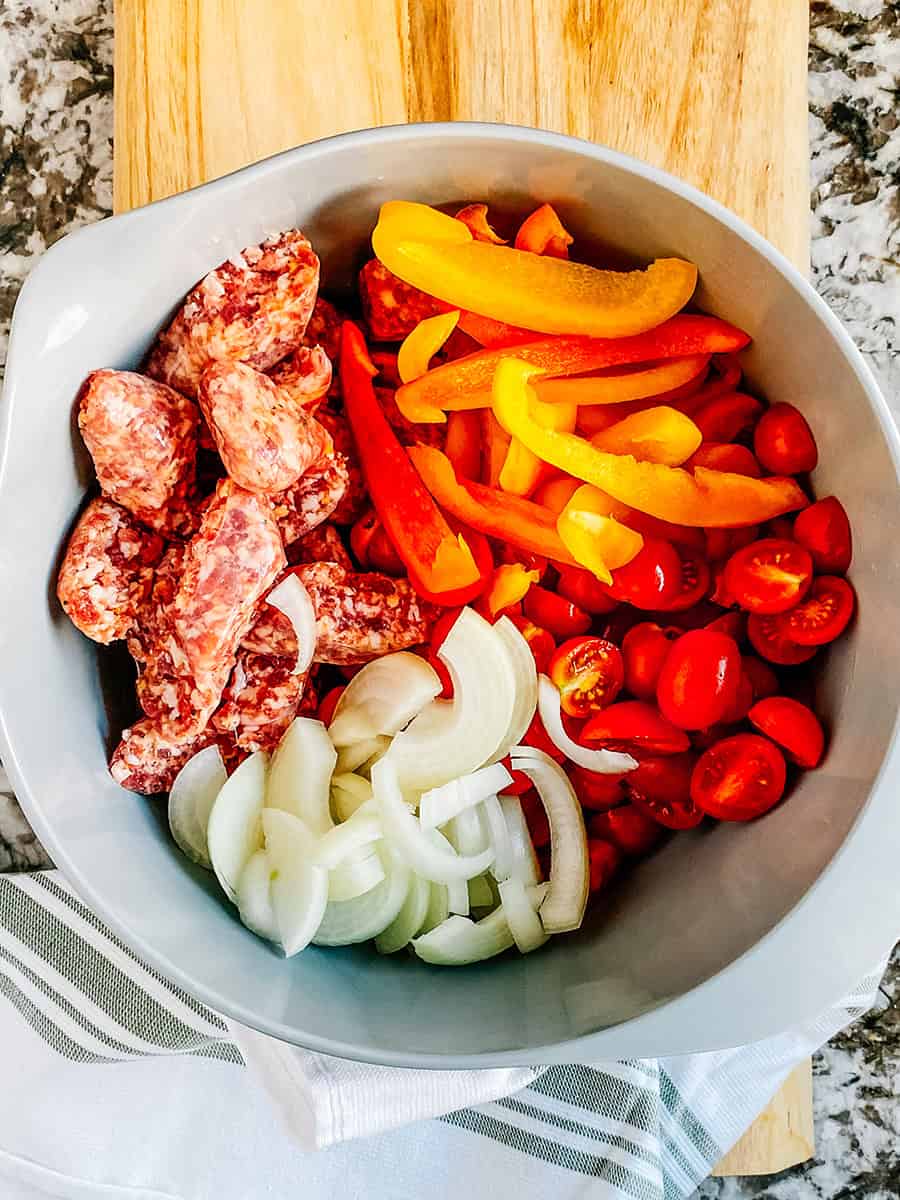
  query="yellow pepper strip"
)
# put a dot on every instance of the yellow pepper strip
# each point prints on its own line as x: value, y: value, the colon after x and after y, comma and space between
x: 552, y: 295
x: 555, y: 494
x: 658, y: 435
x: 496, y: 444
x: 711, y: 499
x: 597, y: 540
x: 521, y: 470
x: 615, y: 388
x: 422, y: 343
x: 509, y: 584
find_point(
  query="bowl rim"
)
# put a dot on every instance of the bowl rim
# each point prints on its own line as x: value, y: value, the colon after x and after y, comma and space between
x: 848, y: 869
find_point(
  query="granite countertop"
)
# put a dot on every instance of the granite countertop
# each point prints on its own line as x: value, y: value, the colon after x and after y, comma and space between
x: 56, y: 174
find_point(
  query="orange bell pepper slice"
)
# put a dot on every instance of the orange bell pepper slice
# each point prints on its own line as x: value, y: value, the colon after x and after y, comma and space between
x: 474, y: 217
x: 463, y: 444
x: 710, y: 499
x: 519, y: 522
x: 466, y: 383
x: 622, y: 386
x: 598, y: 541
x: 496, y: 444
x: 521, y: 471
x: 544, y: 233
x: 551, y: 295
x: 555, y: 494
x: 659, y: 435
x: 436, y: 558
x: 488, y: 332
x: 509, y: 584
x: 422, y: 343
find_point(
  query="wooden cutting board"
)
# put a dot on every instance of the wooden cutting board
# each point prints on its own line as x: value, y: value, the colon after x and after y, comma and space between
x: 712, y: 90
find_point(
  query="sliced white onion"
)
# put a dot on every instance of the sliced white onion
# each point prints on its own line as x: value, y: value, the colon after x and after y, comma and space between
x: 342, y: 841
x: 566, y: 898
x: 381, y: 749
x: 383, y: 698
x: 481, y: 894
x: 521, y: 916
x: 440, y: 805
x: 299, y: 889
x: 234, y: 832
x: 604, y: 762
x: 292, y: 598
x: 450, y: 738
x: 459, y: 940
x: 300, y: 776
x: 191, y: 798
x: 467, y: 831
x: 525, y: 866
x: 498, y: 836
x: 347, y: 922
x: 355, y: 876
x: 458, y: 897
x: 351, y: 758
x: 348, y: 792
x: 409, y: 920
x: 526, y: 684
x: 438, y: 907
x: 254, y: 897
x: 412, y: 843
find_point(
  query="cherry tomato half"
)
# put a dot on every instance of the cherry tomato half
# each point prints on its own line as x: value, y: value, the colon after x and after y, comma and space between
x: 824, y: 530
x: 661, y: 789
x: 536, y: 819
x: 604, y: 859
x: 645, y: 648
x: 742, y: 702
x: 595, y: 791
x: 725, y: 456
x: 823, y: 615
x: 723, y: 418
x: 699, y: 679
x: 720, y: 543
x: 540, y: 642
x: 585, y: 590
x: 783, y: 441
x: 633, y: 726
x: 558, y: 616
x: 739, y: 778
x: 589, y: 673
x: 769, y: 637
x: 627, y: 827
x: 695, y: 581
x: 328, y: 704
x: 652, y: 580
x: 793, y: 726
x: 734, y: 624
x: 762, y: 678
x: 769, y: 576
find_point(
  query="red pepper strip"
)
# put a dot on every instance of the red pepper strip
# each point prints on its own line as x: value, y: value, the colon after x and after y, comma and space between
x: 463, y: 445
x: 491, y: 333
x: 544, y: 233
x: 519, y: 522
x: 466, y: 383
x: 435, y: 558
x: 719, y: 385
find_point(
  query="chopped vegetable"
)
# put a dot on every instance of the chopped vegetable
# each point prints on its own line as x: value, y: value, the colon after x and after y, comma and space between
x: 463, y: 445
x: 300, y: 774
x: 299, y: 889
x: 409, y: 920
x: 348, y: 922
x: 604, y: 762
x: 824, y: 530
x: 739, y: 778
x: 625, y: 387
x: 440, y: 805
x: 420, y: 346
x: 474, y: 217
x: 383, y: 698
x: 595, y: 539
x: 458, y: 941
x: 657, y: 435
x: 254, y: 897
x: 588, y: 673
x: 521, y: 470
x: 191, y: 799
x: 234, y: 832
x: 509, y: 584
x: 292, y: 598
x: 793, y: 726
x: 521, y: 914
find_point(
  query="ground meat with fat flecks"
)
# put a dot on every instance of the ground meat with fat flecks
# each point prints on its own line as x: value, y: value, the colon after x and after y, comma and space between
x: 322, y: 544
x: 391, y: 307
x: 304, y: 378
x: 262, y: 698
x: 313, y: 498
x: 147, y: 761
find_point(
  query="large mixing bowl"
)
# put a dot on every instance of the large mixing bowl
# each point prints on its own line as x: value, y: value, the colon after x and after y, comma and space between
x: 726, y: 934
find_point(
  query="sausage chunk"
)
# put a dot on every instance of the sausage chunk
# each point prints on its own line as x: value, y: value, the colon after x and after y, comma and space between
x: 313, y: 498
x: 260, y: 701
x: 147, y: 761
x: 322, y: 544
x: 354, y: 500
x: 304, y: 378
x: 391, y: 307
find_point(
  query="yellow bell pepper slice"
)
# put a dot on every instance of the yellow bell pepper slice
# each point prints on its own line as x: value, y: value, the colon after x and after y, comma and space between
x: 521, y: 470
x: 422, y: 343
x: 589, y: 390
x: 710, y: 499
x: 555, y: 494
x: 598, y: 541
x: 551, y: 295
x: 657, y: 435
x: 509, y: 584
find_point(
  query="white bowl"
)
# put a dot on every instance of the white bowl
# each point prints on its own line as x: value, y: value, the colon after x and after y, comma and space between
x: 727, y: 934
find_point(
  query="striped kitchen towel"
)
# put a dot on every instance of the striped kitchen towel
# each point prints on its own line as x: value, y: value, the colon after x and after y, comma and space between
x: 118, y: 1083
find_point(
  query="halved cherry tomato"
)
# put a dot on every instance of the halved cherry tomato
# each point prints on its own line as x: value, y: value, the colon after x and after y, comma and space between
x: 584, y: 589
x: 780, y: 527
x: 328, y: 704
x: 725, y: 456
x: 769, y: 637
x: 661, y: 789
x: 783, y: 441
x: 589, y: 673
x: 645, y: 648
x: 720, y: 543
x: 652, y: 580
x: 739, y: 778
x: 595, y: 791
x: 699, y: 679
x: 603, y: 859
x: 695, y: 581
x: 793, y: 726
x: 535, y: 735
x: 540, y: 642
x: 742, y: 702
x: 823, y: 615
x: 633, y: 726
x: 536, y: 819
x: 554, y: 613
x: 769, y: 576
x: 723, y: 418
x: 626, y: 827
x: 824, y: 530
x: 373, y: 548
x: 734, y: 624
x: 762, y: 678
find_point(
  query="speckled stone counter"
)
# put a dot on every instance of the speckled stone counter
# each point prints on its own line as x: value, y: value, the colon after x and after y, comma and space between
x: 56, y: 173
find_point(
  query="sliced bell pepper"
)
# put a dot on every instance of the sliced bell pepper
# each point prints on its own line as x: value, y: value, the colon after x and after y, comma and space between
x: 519, y: 522
x: 496, y: 444
x: 420, y: 346
x: 590, y: 390
x: 544, y: 233
x: 595, y: 539
x: 705, y: 498
x: 658, y: 435
x: 484, y: 560
x: 466, y: 383
x: 463, y: 444
x: 509, y: 584
x: 474, y: 216
x: 488, y: 332
x: 437, y: 560
x: 555, y: 494
x: 552, y: 295
x: 521, y: 470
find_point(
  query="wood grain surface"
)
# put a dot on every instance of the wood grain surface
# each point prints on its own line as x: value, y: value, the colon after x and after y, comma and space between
x: 712, y: 90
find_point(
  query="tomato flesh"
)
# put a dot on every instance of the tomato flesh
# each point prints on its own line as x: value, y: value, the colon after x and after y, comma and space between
x: 768, y: 637
x: 726, y: 456
x: 661, y: 789
x: 328, y: 704
x: 536, y: 819
x: 589, y: 673
x: 769, y: 576
x: 824, y: 530
x: 783, y: 441
x: 645, y: 648
x: 793, y: 726
x: 723, y: 418
x: 652, y: 580
x: 695, y: 581
x: 762, y: 678
x: 628, y: 827
x: 699, y: 679
x: 739, y: 778
x: 560, y: 617
x: 584, y: 590
x: 595, y: 791
x: 540, y: 641
x: 734, y: 624
x: 633, y: 726
x: 823, y: 615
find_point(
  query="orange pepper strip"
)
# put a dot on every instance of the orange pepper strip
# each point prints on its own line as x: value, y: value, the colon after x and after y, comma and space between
x: 466, y: 383
x: 474, y: 217
x: 597, y: 540
x: 711, y: 499
x: 509, y: 584
x: 519, y: 522
x: 590, y: 390
x: 463, y: 444
x: 659, y: 435
x: 555, y: 494
x: 544, y: 233
x: 552, y: 295
x: 422, y: 343
x: 437, y: 559
x: 521, y: 471
x: 496, y: 444
x: 488, y: 332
